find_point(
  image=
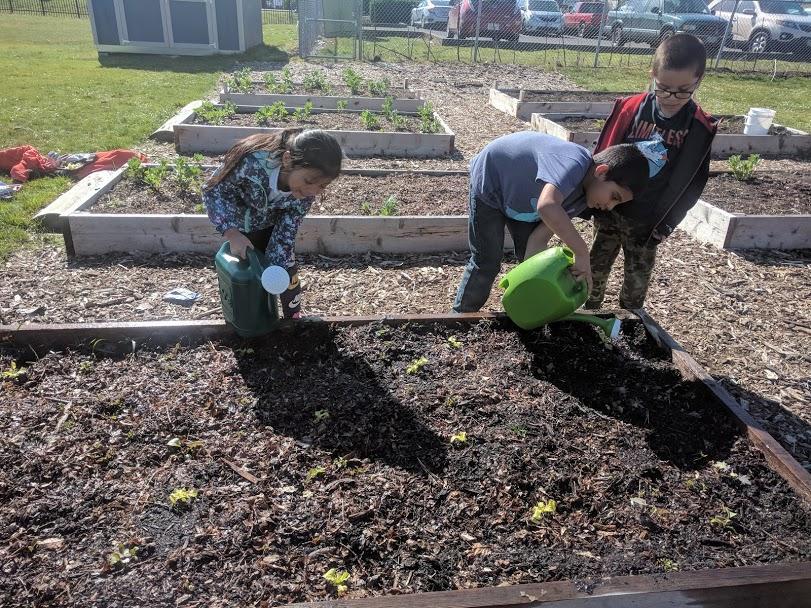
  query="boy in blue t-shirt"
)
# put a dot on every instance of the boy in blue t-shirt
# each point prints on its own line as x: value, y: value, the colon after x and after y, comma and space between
x: 533, y: 184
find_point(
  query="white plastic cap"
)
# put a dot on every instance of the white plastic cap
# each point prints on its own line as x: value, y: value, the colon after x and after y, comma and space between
x: 275, y: 280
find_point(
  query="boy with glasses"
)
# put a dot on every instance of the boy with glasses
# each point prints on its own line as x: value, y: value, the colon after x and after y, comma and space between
x: 678, y: 136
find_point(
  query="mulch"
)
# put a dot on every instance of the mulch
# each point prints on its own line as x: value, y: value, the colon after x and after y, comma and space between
x: 734, y: 125
x: 569, y: 96
x: 334, y: 449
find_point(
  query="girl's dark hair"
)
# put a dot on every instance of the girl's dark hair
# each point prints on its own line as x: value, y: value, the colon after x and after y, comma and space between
x: 314, y: 149
x: 627, y: 166
x: 681, y: 52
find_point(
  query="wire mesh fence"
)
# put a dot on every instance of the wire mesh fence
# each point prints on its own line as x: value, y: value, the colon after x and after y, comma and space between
x: 740, y: 35
x: 63, y: 8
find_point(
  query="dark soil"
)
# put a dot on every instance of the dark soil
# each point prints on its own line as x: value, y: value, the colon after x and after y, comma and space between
x: 570, y: 96
x: 415, y: 195
x: 734, y: 125
x: 348, y: 195
x: 335, y: 91
x: 336, y: 121
x: 582, y: 125
x: 354, y: 468
x: 131, y: 196
x: 775, y: 194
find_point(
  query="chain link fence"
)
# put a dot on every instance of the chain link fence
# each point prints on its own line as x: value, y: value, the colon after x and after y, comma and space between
x: 740, y: 35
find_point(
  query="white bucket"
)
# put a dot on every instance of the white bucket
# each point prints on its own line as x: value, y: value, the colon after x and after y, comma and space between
x: 758, y: 121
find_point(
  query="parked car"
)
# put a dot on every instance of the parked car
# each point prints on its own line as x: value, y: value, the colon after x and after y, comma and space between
x: 542, y: 17
x: 583, y: 19
x: 500, y: 19
x: 431, y: 13
x: 653, y: 21
x: 778, y: 25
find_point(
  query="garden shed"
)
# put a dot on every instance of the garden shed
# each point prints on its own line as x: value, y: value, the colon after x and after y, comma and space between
x: 175, y: 27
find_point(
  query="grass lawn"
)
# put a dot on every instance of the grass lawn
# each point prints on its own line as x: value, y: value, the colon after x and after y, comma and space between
x: 58, y: 96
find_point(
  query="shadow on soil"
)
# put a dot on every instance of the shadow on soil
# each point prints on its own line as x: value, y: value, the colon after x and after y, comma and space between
x: 308, y: 388
x: 801, y: 258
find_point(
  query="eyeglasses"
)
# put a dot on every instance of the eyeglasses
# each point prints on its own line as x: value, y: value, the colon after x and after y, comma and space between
x: 665, y: 93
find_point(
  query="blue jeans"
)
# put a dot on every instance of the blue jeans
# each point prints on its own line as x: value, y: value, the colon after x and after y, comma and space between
x: 486, y: 238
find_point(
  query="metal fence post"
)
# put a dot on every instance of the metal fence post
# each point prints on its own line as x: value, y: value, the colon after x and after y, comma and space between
x: 600, y: 28
x: 478, y: 29
x: 726, y: 34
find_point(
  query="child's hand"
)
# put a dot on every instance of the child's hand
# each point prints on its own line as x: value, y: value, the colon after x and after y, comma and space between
x: 238, y: 242
x: 581, y: 269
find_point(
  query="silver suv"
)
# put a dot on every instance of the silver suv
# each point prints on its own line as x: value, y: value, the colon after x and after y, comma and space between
x: 774, y: 25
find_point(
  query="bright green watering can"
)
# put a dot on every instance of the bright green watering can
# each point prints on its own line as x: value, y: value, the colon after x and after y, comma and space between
x: 541, y: 289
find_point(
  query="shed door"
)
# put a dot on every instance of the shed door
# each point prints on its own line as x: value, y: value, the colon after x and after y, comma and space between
x: 141, y: 22
x: 192, y: 23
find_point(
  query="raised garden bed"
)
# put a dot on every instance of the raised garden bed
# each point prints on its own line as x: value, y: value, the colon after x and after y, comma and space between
x: 321, y: 450
x: 329, y: 120
x: 523, y: 103
x: 767, y: 212
x: 156, y: 228
x: 584, y: 129
x: 190, y: 136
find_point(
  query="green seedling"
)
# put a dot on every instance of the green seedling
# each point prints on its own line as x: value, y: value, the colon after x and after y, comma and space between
x: 85, y: 367
x: 321, y: 415
x: 182, y: 497
x: 379, y: 88
x: 287, y: 81
x: 398, y: 121
x: 428, y: 122
x: 272, y: 113
x: 416, y: 365
x: 353, y: 80
x: 340, y: 463
x: 302, y: 114
x: 155, y: 176
x: 369, y: 121
x: 337, y: 578
x: 135, y: 169
x: 451, y: 401
x: 460, y: 437
x: 212, y: 115
x: 519, y: 430
x: 198, y: 158
x: 365, y: 208
x: 188, y: 446
x: 240, y: 81
x: 387, y: 109
x: 13, y: 371
x: 199, y: 208
x: 723, y: 520
x: 341, y: 104
x: 122, y: 555
x: 272, y: 83
x: 315, y: 472
x: 187, y: 175
x: 315, y: 81
x: 599, y: 124
x: 454, y: 342
x: 542, y: 509
x: 743, y: 170
x: 668, y: 565
x: 389, y: 207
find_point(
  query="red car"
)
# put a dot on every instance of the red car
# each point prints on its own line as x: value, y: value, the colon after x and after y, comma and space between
x: 584, y: 19
x: 500, y: 19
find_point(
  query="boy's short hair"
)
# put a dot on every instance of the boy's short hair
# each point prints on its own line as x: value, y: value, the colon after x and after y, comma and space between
x: 627, y: 166
x: 681, y: 52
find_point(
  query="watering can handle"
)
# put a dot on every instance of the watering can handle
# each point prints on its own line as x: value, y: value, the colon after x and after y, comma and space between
x: 255, y: 262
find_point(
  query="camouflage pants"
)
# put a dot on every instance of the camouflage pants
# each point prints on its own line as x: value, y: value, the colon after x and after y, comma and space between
x: 612, y: 232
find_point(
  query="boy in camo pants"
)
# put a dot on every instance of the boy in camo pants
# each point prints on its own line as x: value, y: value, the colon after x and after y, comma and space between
x: 677, y: 137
